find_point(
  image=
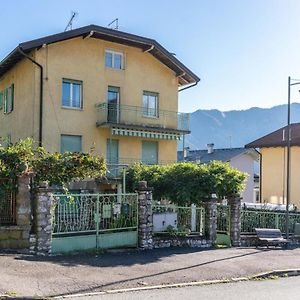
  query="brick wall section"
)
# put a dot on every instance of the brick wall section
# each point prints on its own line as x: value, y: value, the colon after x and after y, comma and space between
x: 145, y: 225
x: 211, y: 220
x: 235, y: 220
x: 17, y: 236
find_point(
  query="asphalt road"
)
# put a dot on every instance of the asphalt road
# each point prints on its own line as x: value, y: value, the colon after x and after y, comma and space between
x: 283, y: 288
x: 28, y: 276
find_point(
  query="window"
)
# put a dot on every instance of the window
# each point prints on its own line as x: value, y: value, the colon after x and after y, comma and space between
x: 114, y: 60
x: 150, y: 104
x: 149, y: 153
x: 72, y: 94
x: 113, y: 101
x: 70, y: 143
x: 8, y: 99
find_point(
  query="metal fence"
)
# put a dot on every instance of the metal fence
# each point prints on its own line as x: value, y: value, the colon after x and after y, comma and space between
x: 178, y: 220
x: 84, y: 213
x: 251, y: 219
x: 128, y: 114
x: 7, y: 201
x: 223, y: 219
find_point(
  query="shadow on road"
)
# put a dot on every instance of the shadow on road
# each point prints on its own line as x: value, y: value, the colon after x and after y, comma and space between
x: 128, y: 259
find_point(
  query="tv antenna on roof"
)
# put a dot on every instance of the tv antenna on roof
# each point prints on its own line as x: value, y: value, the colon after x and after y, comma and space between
x: 114, y: 24
x: 69, y: 26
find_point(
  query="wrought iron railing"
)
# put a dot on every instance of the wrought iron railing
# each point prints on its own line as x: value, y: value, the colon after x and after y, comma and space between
x: 84, y: 213
x: 135, y: 115
x: 178, y: 220
x: 7, y: 201
x: 251, y: 219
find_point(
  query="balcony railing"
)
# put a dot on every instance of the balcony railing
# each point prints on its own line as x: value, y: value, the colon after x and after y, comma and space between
x: 140, y: 116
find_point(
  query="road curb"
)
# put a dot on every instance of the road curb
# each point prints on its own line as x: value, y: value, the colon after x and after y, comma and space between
x: 263, y: 275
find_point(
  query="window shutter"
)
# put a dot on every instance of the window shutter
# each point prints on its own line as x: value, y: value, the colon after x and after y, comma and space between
x: 12, y: 97
x: 5, y: 100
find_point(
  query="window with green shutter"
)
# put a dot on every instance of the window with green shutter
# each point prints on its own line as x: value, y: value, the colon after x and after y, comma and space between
x: 70, y: 143
x: 8, y: 99
x: 149, y: 152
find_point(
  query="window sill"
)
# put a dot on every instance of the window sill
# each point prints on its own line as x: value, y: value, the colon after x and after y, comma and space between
x: 111, y: 68
x: 150, y: 117
x: 72, y: 108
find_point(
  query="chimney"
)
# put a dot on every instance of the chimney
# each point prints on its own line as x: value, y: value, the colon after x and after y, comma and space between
x: 210, y: 148
x: 186, y: 152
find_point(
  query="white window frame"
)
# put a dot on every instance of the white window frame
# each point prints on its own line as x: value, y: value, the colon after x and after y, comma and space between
x: 146, y: 109
x: 71, y: 82
x: 113, y: 52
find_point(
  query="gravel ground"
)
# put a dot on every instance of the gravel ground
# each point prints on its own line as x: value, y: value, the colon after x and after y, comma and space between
x: 26, y: 275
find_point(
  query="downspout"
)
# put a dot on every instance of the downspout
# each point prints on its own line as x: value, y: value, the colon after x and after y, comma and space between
x: 41, y: 94
x: 260, y: 176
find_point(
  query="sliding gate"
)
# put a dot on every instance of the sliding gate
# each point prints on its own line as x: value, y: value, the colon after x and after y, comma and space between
x: 94, y: 221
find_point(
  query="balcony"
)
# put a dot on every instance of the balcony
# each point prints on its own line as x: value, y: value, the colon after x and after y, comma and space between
x: 141, y: 118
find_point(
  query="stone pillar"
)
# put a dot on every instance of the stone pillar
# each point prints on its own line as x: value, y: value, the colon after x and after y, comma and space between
x: 235, y: 220
x: 41, y: 242
x: 23, y: 205
x: 145, y: 226
x: 211, y: 220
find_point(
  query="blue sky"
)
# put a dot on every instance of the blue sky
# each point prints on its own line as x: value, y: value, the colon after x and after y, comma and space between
x: 243, y: 50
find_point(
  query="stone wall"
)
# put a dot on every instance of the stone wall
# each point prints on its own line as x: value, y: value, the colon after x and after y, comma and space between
x: 40, y: 241
x: 17, y: 236
x: 235, y: 220
x: 145, y: 226
x: 186, y: 241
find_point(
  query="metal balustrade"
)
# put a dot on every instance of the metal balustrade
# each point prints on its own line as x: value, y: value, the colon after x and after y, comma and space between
x: 251, y: 219
x: 7, y: 201
x: 135, y: 115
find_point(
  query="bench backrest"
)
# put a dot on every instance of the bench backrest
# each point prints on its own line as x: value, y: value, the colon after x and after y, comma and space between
x: 268, y: 233
x: 297, y: 229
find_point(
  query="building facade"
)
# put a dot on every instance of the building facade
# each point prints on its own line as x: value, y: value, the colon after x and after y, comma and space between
x: 273, y: 179
x: 95, y: 90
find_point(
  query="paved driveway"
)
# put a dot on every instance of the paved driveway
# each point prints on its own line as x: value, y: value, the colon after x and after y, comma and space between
x: 44, y: 276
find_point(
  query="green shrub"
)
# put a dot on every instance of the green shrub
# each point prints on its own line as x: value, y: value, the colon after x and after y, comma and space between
x: 55, y: 168
x: 187, y: 183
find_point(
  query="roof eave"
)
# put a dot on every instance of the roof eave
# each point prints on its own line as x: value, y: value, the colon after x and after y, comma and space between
x: 185, y: 75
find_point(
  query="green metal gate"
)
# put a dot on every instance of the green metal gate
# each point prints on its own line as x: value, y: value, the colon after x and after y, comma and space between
x: 223, y: 225
x: 94, y: 221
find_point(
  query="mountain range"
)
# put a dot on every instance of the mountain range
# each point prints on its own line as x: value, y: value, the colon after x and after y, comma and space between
x: 236, y: 128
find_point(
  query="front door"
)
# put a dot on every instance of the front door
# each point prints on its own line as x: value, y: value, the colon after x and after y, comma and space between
x: 113, y: 103
x: 112, y: 157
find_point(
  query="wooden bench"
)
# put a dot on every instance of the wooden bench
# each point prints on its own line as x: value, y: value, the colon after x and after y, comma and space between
x: 270, y: 237
x: 296, y: 235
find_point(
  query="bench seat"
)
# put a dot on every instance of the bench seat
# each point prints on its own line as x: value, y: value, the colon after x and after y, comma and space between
x: 270, y: 237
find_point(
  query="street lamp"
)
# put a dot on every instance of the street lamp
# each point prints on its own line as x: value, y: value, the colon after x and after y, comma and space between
x: 291, y: 82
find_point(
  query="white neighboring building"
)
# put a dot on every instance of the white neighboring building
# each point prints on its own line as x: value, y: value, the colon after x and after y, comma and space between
x: 240, y: 158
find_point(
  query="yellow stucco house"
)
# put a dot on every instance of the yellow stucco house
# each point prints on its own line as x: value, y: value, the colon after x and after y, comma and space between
x: 273, y: 162
x: 95, y: 89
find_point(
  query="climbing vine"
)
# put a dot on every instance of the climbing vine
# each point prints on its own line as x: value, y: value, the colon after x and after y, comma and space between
x: 54, y: 168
